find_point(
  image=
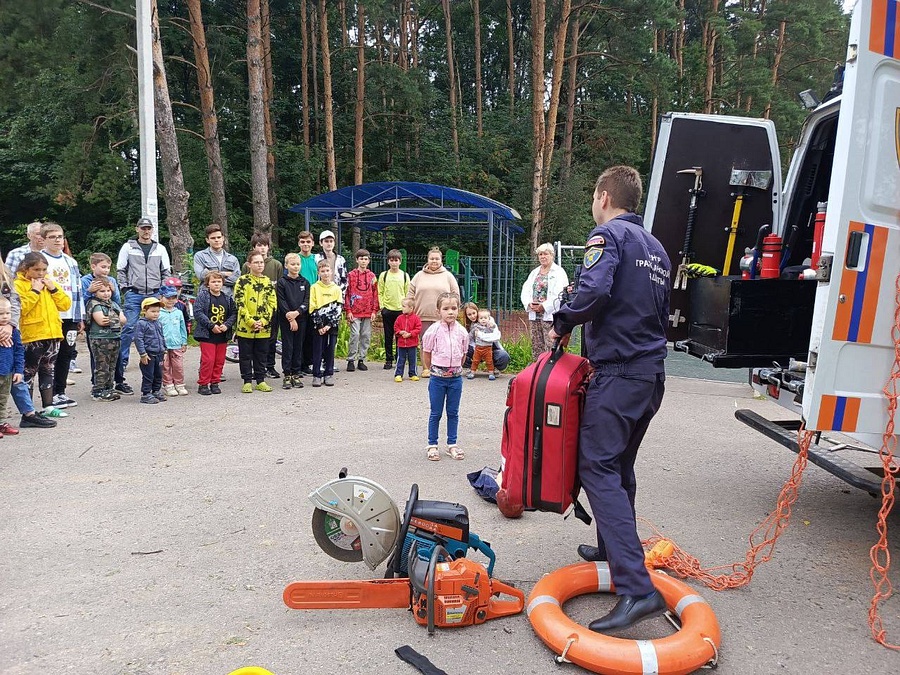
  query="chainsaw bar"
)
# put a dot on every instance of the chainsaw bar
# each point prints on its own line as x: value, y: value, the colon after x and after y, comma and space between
x: 337, y: 536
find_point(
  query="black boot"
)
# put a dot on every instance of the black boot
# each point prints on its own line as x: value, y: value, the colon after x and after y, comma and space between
x: 629, y: 610
x: 590, y: 553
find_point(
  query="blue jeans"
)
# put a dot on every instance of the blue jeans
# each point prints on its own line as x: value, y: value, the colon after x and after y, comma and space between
x: 131, y: 307
x: 405, y: 354
x: 439, y: 390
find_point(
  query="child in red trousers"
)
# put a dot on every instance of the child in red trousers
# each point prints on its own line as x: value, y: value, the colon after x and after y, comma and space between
x: 214, y: 316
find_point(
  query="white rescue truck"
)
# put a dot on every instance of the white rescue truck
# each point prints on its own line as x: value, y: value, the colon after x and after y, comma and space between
x: 808, y: 298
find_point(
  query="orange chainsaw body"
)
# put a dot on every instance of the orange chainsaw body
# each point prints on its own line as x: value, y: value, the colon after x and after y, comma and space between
x: 464, y: 595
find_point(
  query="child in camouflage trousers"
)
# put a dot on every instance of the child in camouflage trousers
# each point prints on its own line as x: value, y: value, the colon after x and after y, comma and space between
x: 105, y: 334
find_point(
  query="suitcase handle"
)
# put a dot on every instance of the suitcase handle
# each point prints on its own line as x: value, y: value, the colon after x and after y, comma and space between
x: 556, y: 351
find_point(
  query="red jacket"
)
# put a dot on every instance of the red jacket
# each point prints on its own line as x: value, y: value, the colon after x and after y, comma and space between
x: 411, y: 323
x: 361, y: 296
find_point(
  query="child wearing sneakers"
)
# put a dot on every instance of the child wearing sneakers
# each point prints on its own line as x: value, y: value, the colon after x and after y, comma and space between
x: 215, y: 314
x: 254, y: 297
x: 151, y: 346
x: 104, y: 338
x: 175, y: 335
x: 40, y: 325
x: 444, y: 346
x: 407, y: 328
x: 292, y: 291
x: 484, y: 333
x: 325, y: 314
x: 361, y: 305
x: 12, y: 378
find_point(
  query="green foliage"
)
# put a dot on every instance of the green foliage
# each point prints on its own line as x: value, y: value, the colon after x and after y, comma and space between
x: 68, y: 121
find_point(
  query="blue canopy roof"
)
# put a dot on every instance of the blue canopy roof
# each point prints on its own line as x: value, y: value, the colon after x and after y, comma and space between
x: 375, y: 206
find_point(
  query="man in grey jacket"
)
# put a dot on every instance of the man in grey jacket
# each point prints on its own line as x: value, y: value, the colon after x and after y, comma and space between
x: 141, y: 268
x: 217, y: 258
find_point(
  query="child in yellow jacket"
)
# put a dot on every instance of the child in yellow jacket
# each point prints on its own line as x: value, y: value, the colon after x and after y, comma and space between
x: 42, y: 301
x: 254, y: 296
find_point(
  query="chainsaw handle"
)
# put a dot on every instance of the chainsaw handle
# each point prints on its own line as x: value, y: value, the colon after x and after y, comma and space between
x: 497, y: 607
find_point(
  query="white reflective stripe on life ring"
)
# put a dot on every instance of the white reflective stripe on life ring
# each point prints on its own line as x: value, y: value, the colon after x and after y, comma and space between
x: 685, y: 601
x: 540, y: 600
x: 649, y: 662
x: 604, y: 578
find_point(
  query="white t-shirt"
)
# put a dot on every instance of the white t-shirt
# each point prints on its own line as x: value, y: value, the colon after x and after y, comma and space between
x: 58, y: 269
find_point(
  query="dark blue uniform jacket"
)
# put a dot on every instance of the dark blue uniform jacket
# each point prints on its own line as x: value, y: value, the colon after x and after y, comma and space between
x: 623, y: 299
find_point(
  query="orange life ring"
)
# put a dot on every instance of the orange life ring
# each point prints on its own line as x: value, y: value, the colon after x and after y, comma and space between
x: 696, y: 644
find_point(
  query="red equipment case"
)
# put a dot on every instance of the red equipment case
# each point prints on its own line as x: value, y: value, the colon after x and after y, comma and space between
x: 540, y: 435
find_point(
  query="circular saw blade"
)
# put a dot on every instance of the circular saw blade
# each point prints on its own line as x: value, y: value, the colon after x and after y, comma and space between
x: 337, y: 536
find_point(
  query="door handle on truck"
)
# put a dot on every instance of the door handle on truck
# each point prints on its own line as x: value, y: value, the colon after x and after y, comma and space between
x: 854, y: 248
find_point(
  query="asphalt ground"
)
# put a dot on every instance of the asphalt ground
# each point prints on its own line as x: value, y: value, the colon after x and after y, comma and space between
x: 158, y: 539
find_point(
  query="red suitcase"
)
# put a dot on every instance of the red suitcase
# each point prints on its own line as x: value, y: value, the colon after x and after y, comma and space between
x: 540, y: 435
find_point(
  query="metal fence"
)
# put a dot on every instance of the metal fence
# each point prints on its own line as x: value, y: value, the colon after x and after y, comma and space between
x: 507, y: 282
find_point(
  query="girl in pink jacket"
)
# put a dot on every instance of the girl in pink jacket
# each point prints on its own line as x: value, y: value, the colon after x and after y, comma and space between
x: 444, y: 347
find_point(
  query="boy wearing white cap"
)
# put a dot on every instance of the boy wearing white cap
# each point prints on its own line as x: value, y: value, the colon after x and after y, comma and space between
x: 335, y: 260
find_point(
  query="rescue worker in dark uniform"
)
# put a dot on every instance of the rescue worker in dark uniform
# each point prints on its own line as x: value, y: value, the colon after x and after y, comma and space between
x: 623, y: 301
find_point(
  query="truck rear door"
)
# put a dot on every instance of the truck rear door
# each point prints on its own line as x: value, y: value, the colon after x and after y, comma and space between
x: 714, y: 145
x: 851, y: 345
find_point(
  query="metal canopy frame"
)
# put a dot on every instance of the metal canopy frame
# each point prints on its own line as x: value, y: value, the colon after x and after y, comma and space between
x: 375, y: 207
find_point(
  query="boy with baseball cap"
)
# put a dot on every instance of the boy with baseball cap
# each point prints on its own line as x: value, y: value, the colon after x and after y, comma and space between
x: 151, y: 346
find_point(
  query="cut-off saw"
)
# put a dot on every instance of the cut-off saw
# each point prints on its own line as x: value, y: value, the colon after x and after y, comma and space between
x: 355, y: 520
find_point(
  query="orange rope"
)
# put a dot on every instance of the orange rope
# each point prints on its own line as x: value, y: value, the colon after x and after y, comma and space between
x: 880, y: 555
x: 738, y: 574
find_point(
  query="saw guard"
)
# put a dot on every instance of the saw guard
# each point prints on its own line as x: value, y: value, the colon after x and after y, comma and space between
x: 369, y: 507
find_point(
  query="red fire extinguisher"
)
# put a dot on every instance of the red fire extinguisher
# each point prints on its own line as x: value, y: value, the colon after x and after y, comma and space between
x: 771, y: 257
x: 746, y: 263
x: 818, y: 234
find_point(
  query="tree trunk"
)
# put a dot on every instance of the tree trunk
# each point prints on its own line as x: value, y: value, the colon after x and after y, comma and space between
x: 659, y: 37
x: 710, y: 35
x: 538, y: 21
x: 176, y: 197
x: 404, y: 35
x: 342, y: 10
x: 559, y: 60
x: 330, y: 168
x: 779, y: 53
x: 512, y: 59
x: 269, y: 127
x: 414, y: 25
x: 210, y: 119
x: 451, y: 79
x: 255, y: 68
x: 476, y: 10
x: 304, y: 77
x: 360, y: 104
x: 314, y: 42
x: 755, y: 53
x: 570, y: 100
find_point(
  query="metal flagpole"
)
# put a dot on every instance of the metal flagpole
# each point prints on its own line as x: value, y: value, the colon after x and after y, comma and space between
x: 146, y: 119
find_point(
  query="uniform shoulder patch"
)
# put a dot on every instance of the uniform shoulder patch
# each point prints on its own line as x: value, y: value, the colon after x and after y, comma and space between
x: 591, y: 256
x: 596, y: 240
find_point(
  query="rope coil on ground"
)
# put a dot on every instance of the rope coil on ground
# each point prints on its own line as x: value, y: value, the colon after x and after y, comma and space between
x: 736, y: 575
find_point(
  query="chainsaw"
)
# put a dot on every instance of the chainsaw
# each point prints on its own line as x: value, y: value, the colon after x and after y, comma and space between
x: 440, y: 591
x: 356, y: 520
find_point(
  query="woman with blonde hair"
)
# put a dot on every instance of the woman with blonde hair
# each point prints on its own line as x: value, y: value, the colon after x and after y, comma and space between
x: 540, y: 297
x: 427, y: 286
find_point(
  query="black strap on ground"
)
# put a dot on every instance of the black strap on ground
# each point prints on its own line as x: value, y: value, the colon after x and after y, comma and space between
x: 418, y: 661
